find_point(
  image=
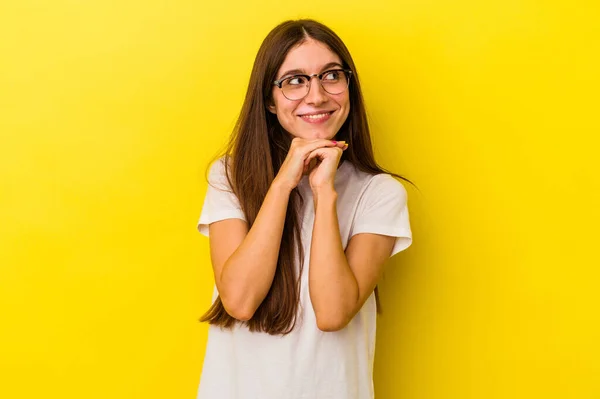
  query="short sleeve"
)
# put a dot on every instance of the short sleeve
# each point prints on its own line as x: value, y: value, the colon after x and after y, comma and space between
x: 383, y: 209
x: 220, y: 202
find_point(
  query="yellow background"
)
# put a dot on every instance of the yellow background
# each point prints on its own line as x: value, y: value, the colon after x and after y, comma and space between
x: 110, y: 111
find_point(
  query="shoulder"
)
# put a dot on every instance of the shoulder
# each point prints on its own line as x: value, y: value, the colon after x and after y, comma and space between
x: 217, y: 174
x: 217, y: 166
x: 382, y: 184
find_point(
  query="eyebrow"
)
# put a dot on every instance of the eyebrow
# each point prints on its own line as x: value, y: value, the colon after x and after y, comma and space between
x: 302, y: 71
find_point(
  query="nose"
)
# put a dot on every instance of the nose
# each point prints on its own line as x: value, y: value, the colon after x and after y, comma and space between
x: 316, y: 94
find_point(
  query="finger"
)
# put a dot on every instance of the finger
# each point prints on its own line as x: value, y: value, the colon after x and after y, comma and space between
x: 323, y: 153
x: 318, y: 142
x: 340, y: 144
x: 321, y: 143
x: 314, y: 154
x: 304, y: 141
x: 310, y: 157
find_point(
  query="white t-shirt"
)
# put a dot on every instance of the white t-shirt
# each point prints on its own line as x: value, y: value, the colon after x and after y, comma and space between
x: 306, y: 363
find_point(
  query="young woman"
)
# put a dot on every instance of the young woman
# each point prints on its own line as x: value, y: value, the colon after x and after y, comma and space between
x: 301, y: 220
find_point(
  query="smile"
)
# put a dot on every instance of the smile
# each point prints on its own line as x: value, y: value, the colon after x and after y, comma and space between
x: 317, y: 118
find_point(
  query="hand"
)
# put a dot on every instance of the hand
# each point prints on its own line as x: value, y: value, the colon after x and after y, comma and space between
x: 323, y: 174
x: 294, y: 165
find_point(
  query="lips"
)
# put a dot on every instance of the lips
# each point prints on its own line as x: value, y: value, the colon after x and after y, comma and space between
x: 316, y: 117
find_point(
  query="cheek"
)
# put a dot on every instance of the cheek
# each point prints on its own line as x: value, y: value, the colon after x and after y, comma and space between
x: 286, y: 116
x: 347, y: 101
x: 285, y: 111
x: 343, y: 100
x: 283, y: 106
x: 345, y: 105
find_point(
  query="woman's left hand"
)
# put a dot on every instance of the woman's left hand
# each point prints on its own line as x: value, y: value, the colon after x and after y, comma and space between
x: 323, y: 173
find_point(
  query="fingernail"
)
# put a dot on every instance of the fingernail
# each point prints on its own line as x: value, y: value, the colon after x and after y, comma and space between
x: 334, y: 142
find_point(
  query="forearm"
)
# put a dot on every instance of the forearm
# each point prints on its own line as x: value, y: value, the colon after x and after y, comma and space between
x: 247, y: 275
x: 332, y: 285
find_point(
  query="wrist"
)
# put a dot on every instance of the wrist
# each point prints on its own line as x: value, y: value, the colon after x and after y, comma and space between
x: 324, y: 194
x: 281, y: 187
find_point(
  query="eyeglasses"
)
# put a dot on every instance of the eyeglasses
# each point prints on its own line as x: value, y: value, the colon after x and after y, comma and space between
x: 296, y: 87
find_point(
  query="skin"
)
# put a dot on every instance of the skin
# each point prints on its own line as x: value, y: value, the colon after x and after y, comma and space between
x: 310, y: 57
x: 245, y: 259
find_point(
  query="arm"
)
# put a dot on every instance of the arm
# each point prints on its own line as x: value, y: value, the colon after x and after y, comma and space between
x: 244, y: 261
x: 340, y: 283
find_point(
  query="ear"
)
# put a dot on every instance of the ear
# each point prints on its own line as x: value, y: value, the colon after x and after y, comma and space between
x: 270, y: 104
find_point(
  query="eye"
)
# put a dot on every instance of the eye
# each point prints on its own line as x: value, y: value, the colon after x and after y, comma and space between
x: 296, y: 80
x: 331, y: 76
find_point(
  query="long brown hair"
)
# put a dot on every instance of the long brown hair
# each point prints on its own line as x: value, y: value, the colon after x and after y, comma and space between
x: 256, y: 151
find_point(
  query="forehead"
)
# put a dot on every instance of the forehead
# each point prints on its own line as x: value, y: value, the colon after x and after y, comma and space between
x: 310, y: 57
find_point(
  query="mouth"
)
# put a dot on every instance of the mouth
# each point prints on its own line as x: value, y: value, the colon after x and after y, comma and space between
x: 316, y: 117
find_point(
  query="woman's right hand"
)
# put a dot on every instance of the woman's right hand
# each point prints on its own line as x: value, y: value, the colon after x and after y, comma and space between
x: 294, y: 165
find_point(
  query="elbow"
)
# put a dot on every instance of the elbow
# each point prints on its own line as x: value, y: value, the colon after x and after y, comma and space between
x: 238, y: 309
x: 331, y: 323
x: 241, y: 315
x: 237, y: 303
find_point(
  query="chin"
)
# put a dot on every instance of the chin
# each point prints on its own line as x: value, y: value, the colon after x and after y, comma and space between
x: 313, y: 135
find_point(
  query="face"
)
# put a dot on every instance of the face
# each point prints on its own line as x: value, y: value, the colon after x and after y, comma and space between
x: 319, y: 115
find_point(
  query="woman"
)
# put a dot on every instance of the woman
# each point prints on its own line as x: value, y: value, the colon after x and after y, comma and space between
x: 301, y: 220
